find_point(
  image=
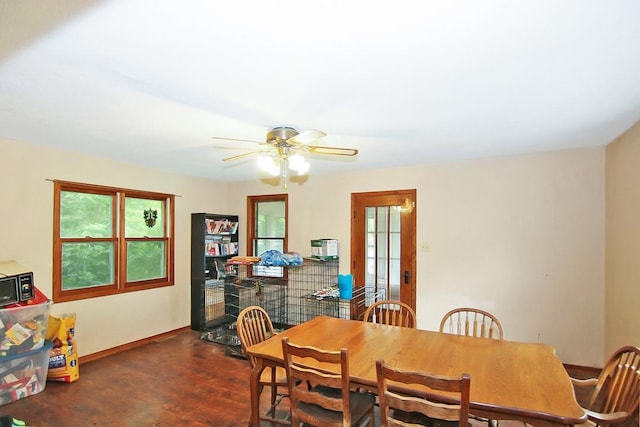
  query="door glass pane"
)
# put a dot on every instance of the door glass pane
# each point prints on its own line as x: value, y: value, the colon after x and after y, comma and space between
x: 370, y: 235
x: 394, y: 254
x: 382, y: 212
x: 383, y: 250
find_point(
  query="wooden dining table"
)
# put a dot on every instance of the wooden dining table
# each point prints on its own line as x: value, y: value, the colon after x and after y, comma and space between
x: 509, y: 380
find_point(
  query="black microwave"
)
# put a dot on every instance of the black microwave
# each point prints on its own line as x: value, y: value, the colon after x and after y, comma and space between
x: 15, y: 286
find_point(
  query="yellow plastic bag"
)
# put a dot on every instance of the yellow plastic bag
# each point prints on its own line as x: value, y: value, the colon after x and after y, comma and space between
x: 63, y: 359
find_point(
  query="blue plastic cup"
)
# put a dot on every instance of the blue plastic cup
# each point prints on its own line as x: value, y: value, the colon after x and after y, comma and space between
x: 345, y: 285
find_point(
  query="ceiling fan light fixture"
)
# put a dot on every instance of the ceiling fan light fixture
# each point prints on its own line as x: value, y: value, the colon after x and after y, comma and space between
x: 281, y: 151
x: 268, y: 165
x: 299, y: 164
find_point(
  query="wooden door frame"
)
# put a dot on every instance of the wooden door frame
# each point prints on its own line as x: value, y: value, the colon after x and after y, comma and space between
x: 408, y: 219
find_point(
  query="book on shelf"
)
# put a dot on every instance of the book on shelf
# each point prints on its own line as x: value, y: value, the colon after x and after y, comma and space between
x: 212, y: 248
x: 220, y: 246
x: 221, y: 226
x: 228, y: 227
x: 233, y: 248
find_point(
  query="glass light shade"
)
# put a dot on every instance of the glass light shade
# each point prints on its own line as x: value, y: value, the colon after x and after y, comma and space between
x: 268, y: 165
x: 299, y: 164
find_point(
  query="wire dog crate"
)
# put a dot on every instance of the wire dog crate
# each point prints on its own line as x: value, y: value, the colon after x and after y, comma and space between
x: 305, y: 282
x: 313, y: 291
x: 306, y: 291
x: 226, y: 300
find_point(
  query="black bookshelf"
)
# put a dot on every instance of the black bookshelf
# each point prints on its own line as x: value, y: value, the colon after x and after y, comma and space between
x: 214, y: 239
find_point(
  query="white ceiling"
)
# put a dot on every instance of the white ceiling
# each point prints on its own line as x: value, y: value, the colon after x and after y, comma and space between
x: 410, y: 82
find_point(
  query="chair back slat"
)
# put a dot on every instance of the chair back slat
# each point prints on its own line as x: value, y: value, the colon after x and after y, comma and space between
x: 447, y: 398
x: 317, y: 377
x: 618, y: 387
x: 391, y: 312
x: 471, y: 322
x: 253, y: 326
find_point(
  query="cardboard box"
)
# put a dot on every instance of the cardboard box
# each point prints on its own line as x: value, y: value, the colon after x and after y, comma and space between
x: 324, y: 248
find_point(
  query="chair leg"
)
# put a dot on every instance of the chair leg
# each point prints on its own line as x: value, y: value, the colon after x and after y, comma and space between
x: 274, y: 390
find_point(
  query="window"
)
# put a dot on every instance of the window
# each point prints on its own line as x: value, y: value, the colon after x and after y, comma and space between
x: 267, y: 228
x: 110, y: 240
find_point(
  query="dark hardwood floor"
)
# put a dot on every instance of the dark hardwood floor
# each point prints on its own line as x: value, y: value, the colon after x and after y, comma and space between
x: 176, y: 380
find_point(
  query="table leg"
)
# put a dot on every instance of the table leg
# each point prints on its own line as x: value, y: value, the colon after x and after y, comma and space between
x: 254, y: 384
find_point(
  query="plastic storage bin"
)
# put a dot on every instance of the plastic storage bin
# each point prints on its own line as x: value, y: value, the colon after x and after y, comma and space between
x: 24, y: 374
x: 23, y: 328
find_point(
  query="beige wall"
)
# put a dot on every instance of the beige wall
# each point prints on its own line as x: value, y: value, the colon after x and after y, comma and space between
x: 26, y: 220
x: 520, y: 236
x: 622, y: 322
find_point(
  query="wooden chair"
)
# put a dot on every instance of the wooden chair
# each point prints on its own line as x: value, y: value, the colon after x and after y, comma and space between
x: 390, y: 312
x: 476, y: 323
x: 471, y: 322
x: 253, y: 326
x: 616, y: 392
x: 319, y: 388
x: 422, y: 408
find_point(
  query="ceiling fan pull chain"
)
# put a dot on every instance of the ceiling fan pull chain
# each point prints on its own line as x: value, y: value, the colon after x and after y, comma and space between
x: 284, y: 164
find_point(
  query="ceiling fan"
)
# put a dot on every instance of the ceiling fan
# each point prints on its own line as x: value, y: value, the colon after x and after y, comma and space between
x: 283, y: 150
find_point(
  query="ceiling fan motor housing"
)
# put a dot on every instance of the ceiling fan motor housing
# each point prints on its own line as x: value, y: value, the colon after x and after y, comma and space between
x: 281, y: 134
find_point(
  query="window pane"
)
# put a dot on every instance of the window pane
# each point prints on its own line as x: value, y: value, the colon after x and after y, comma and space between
x: 105, y: 241
x: 145, y: 260
x: 85, y: 214
x: 268, y: 271
x: 144, y: 217
x: 263, y: 245
x: 270, y: 218
x: 86, y: 265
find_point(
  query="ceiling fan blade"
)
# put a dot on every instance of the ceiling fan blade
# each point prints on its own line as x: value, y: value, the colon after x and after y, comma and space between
x: 306, y: 137
x: 235, y: 139
x: 227, y: 147
x: 336, y: 151
x: 241, y: 156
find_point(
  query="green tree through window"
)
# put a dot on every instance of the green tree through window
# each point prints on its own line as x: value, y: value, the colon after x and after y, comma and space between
x: 267, y: 230
x: 110, y: 240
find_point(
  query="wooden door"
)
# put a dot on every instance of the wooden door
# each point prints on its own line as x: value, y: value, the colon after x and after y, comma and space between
x: 383, y: 245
